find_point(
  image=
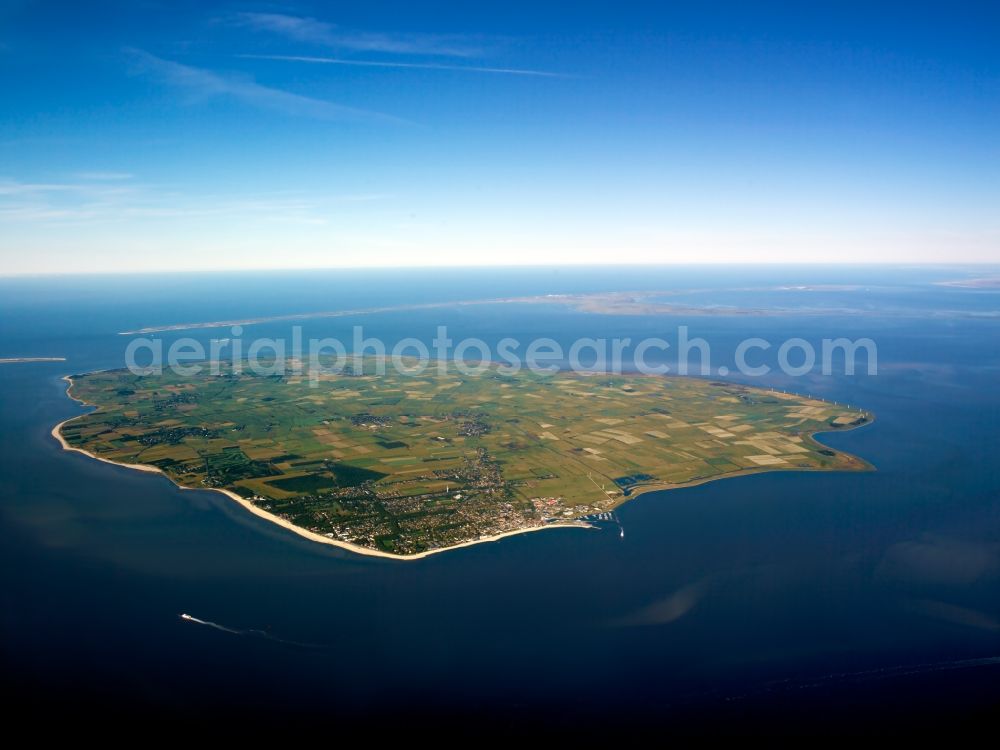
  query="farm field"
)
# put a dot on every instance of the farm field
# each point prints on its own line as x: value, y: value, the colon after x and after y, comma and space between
x: 404, y: 464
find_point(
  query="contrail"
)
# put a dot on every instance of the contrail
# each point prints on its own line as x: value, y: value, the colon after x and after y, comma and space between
x: 233, y: 631
x: 418, y: 66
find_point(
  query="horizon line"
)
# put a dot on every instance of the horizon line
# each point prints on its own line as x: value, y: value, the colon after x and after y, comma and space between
x: 511, y: 266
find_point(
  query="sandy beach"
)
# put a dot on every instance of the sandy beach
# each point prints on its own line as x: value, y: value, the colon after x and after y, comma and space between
x: 358, y: 549
x: 278, y: 520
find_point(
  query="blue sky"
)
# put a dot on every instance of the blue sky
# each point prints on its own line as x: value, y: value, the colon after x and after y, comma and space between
x: 145, y: 136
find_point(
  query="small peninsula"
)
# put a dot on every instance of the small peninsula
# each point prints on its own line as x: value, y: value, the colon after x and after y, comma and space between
x: 404, y: 466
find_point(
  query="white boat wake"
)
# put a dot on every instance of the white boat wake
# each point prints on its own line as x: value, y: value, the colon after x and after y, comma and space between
x: 251, y: 632
x: 217, y: 626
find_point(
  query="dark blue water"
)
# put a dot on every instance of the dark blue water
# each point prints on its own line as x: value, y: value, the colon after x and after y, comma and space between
x: 827, y: 597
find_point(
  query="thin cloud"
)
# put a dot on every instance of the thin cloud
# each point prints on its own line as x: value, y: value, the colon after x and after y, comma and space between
x: 313, y: 31
x: 110, y: 202
x: 419, y: 66
x: 207, y: 84
x: 43, y: 201
x: 13, y: 187
x: 103, y: 176
x: 34, y: 214
x: 84, y: 185
x: 9, y: 187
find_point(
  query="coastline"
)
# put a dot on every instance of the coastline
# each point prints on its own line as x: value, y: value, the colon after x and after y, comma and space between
x: 56, y: 432
x: 865, y: 466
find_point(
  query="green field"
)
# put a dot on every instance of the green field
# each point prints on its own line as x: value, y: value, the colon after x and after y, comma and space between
x: 405, y: 464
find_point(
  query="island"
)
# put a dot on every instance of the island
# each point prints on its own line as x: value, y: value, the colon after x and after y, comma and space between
x: 406, y: 465
x: 597, y: 303
x: 988, y: 283
x: 670, y: 303
x: 23, y: 360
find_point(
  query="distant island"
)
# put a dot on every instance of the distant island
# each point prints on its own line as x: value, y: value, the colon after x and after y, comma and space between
x: 668, y: 302
x: 620, y: 303
x: 989, y: 282
x: 404, y: 466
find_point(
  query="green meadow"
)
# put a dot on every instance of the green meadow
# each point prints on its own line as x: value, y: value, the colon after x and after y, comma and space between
x: 409, y: 463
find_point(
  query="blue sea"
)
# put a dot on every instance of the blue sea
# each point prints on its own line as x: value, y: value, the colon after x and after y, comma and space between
x: 780, y: 599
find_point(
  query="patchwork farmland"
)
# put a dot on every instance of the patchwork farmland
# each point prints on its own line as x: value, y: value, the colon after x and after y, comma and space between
x: 409, y: 463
